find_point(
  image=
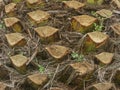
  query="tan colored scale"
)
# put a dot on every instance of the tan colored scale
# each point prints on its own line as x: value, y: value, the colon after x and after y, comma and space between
x: 47, y: 33
x: 15, y: 39
x: 73, y: 4
x: 60, y: 88
x: 57, y: 51
x: 35, y: 3
x: 10, y: 9
x: 97, y: 37
x: 102, y: 86
x: 105, y: 57
x: 105, y: 13
x: 95, y: 40
x: 3, y: 86
x: 37, y: 80
x: 38, y: 17
x: 82, y: 68
x: 1, y: 4
x: 56, y: 88
x: 19, y: 62
x: 14, y: 23
x: 75, y: 73
x: 116, y: 28
x: 83, y: 23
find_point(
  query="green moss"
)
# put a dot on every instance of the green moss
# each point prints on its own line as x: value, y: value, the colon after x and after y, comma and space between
x: 95, y: 2
x: 17, y: 27
x: 90, y: 1
x: 43, y: 23
x: 21, y: 70
x: 34, y: 6
x: 89, y: 46
x: 16, y: 1
x: 77, y: 27
x: 100, y: 2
